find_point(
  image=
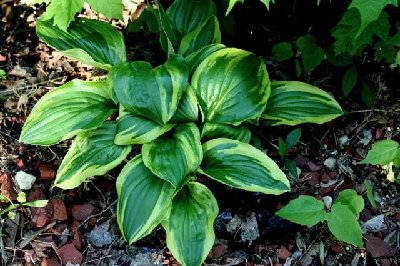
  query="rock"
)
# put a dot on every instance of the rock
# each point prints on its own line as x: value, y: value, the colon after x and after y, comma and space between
x: 24, y: 180
x: 47, y: 172
x: 41, y: 216
x: 77, y: 241
x: 337, y: 248
x: 376, y: 224
x: 330, y: 163
x: 7, y: 186
x: 83, y: 212
x: 378, y: 248
x: 36, y: 194
x: 68, y: 253
x: 18, y: 71
x: 50, y: 262
x: 284, y: 253
x: 312, y: 178
x: 343, y: 140
x: 234, y: 224
x: 249, y: 228
x: 101, y: 235
x: 20, y: 164
x: 59, y: 210
x: 217, y: 251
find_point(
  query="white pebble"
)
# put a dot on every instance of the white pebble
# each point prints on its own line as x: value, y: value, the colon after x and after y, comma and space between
x: 24, y: 180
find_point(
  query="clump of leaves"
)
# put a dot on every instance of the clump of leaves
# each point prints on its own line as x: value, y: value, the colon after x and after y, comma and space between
x: 191, y: 115
x: 387, y: 154
x: 285, y: 145
x: 342, y: 218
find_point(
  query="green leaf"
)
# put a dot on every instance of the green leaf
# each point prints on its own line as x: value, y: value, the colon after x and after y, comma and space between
x: 207, y: 33
x: 344, y: 225
x: 169, y: 37
x: 242, y: 166
x: 293, y: 138
x: 190, y: 227
x: 233, y: 2
x: 148, y: 20
x: 187, y: 15
x: 282, y: 147
x: 144, y: 200
x: 152, y: 93
x: 194, y: 59
x: 2, y: 73
x: 92, y: 153
x: 293, y: 103
x: 370, y: 193
x: 312, y: 55
x: 212, y: 131
x: 382, y: 152
x: 397, y: 58
x: 368, y: 94
x: 231, y: 5
x: 349, y: 80
x: 370, y: 10
x: 92, y: 42
x: 351, y: 199
x: 66, y: 111
x: 173, y: 158
x: 282, y: 51
x: 304, y: 210
x: 232, y: 86
x: 347, y: 28
x: 188, y: 109
x: 109, y: 8
x: 63, y: 12
x: 339, y: 60
x: 267, y: 2
x: 292, y: 168
x: 133, y: 129
x: 36, y: 203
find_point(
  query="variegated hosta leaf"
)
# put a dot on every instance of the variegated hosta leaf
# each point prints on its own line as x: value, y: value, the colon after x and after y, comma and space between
x: 187, y: 15
x: 242, y: 166
x: 144, y: 200
x: 213, y: 131
x: 205, y: 34
x: 153, y: 93
x: 92, y: 153
x: 194, y: 59
x: 64, y: 112
x: 190, y: 226
x: 134, y: 129
x: 169, y: 35
x: 232, y: 86
x: 92, y: 42
x: 172, y: 159
x: 293, y: 103
x: 188, y: 109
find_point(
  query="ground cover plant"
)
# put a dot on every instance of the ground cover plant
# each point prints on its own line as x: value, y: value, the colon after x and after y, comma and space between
x: 212, y: 138
x: 191, y: 114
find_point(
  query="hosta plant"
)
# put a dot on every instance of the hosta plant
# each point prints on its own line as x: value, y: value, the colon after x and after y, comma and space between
x: 191, y: 115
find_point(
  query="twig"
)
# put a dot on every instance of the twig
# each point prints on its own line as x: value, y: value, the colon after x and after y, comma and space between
x: 23, y: 88
x: 372, y: 110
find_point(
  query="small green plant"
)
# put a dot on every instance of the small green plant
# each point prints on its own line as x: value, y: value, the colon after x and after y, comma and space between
x: 191, y: 114
x: 341, y: 218
x: 387, y: 154
x: 284, y: 146
x: 11, y: 208
x: 2, y: 73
